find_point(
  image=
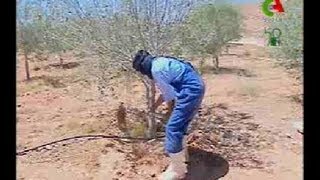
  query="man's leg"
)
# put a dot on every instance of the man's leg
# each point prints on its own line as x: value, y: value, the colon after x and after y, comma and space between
x: 186, y: 125
x: 195, y: 111
x: 177, y: 126
x: 183, y: 112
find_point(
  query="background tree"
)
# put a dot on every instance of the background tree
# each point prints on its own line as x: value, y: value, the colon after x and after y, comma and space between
x: 209, y: 28
x: 29, y: 35
x: 291, y: 25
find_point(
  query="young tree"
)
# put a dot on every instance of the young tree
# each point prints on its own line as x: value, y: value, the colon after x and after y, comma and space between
x: 22, y: 43
x: 29, y: 36
x: 209, y: 28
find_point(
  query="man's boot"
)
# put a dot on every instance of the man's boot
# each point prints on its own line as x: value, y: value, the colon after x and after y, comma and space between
x: 177, y: 169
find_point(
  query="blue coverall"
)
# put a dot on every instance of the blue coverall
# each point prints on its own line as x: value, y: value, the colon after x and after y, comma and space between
x: 178, y: 80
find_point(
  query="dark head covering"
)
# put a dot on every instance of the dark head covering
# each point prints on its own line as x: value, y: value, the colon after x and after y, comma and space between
x: 142, y: 62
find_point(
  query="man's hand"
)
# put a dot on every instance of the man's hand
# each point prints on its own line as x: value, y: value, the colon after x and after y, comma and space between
x: 158, y: 102
x: 170, y: 106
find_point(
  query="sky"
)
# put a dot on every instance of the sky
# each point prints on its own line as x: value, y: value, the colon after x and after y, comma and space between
x: 83, y: 2
x: 233, y: 1
x: 245, y: 1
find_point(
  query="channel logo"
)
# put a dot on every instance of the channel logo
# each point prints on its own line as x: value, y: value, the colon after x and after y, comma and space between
x: 269, y: 7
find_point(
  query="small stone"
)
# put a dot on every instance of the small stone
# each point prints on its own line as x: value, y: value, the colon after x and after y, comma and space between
x: 104, y: 151
x: 97, y: 164
x: 298, y: 126
x: 288, y: 136
x: 119, y: 150
x: 48, y: 147
x: 109, y: 145
x: 227, y: 135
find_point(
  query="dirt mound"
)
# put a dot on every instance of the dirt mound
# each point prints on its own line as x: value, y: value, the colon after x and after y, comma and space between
x: 51, y: 81
x: 220, y: 130
x: 68, y: 65
x: 229, y: 133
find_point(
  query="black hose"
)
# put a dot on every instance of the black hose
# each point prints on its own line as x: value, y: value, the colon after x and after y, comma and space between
x: 21, y: 153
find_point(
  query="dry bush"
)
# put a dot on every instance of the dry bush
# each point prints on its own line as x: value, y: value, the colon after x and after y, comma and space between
x: 121, y: 117
x: 249, y: 89
x: 247, y: 53
x: 54, y: 82
x: 138, y: 130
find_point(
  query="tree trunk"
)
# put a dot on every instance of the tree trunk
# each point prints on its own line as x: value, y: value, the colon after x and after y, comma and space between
x: 25, y: 52
x: 201, y: 63
x: 26, y: 63
x: 152, y: 128
x: 61, y: 61
x: 216, y: 62
x: 150, y: 99
x: 227, y: 49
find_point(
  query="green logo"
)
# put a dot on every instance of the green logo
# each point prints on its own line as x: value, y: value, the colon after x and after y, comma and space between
x: 274, y: 37
x: 265, y: 8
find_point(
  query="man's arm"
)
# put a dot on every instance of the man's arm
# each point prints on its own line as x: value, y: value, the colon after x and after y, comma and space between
x: 167, y: 95
x: 167, y: 92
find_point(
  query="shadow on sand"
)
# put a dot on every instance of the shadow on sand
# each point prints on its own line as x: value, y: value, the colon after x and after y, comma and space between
x: 205, y: 165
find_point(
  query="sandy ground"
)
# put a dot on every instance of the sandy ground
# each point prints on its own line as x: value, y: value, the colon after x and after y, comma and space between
x: 63, y: 103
